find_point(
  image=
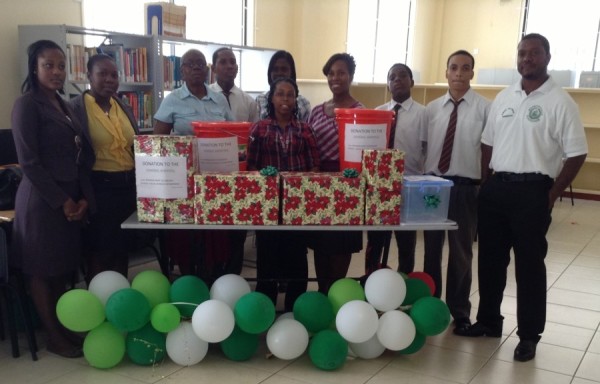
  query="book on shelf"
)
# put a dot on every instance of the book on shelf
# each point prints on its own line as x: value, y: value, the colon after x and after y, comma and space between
x: 172, y: 72
x: 141, y: 104
x: 77, y: 58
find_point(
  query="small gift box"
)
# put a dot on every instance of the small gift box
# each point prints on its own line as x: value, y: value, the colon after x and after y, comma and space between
x: 327, y: 198
x: 164, y: 178
x: 238, y: 198
x: 383, y: 171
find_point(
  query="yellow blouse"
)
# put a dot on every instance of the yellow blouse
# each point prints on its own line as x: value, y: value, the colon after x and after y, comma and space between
x: 112, y: 136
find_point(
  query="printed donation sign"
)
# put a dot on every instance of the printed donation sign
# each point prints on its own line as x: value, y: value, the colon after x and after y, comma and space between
x: 219, y: 154
x: 363, y: 136
x: 161, y: 177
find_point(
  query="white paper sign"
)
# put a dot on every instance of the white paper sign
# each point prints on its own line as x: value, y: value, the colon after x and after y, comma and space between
x: 161, y: 177
x: 218, y: 154
x: 363, y: 136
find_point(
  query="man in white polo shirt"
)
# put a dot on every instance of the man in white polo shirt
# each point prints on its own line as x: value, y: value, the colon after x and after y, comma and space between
x: 533, y: 146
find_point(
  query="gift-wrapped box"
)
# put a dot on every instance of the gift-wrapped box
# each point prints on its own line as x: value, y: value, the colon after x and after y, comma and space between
x: 383, y: 167
x: 383, y: 171
x: 327, y: 198
x: 237, y: 198
x: 159, y: 209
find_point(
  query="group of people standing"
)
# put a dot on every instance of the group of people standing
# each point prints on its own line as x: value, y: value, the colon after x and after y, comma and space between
x: 509, y: 160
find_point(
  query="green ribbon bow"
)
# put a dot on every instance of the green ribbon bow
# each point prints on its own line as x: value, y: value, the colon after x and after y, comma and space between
x: 350, y: 172
x: 269, y: 171
x: 432, y: 201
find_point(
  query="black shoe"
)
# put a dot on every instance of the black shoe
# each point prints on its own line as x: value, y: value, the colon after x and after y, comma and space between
x: 461, y: 325
x: 525, y: 350
x: 478, y: 329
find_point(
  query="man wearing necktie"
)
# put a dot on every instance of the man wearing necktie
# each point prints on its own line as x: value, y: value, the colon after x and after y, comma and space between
x: 455, y: 123
x: 406, y: 135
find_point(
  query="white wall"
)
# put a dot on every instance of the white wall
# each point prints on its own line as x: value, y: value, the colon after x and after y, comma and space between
x: 19, y: 12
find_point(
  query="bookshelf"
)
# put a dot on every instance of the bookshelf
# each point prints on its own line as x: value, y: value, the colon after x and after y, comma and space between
x: 134, y: 55
x: 587, y: 181
x: 157, y: 57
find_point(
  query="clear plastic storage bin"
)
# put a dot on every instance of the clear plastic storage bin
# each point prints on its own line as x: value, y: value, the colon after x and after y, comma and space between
x: 425, y: 199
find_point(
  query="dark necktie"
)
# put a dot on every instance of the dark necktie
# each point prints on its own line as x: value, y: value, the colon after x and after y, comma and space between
x: 226, y: 94
x: 446, y: 156
x: 393, y: 129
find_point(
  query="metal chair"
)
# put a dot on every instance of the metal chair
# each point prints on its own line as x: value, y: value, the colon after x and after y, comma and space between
x: 13, y: 292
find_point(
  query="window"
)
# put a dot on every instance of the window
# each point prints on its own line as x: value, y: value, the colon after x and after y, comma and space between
x: 572, y: 29
x: 373, y: 27
x: 222, y: 21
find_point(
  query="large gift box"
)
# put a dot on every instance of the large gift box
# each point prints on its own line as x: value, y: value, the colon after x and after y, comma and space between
x: 383, y: 171
x: 237, y: 198
x: 327, y: 198
x: 165, y: 178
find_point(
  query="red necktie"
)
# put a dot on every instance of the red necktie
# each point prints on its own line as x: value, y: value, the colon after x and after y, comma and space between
x: 393, y: 129
x: 446, y: 156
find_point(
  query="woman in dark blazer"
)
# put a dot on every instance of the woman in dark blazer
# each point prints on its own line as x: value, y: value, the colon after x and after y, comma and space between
x: 110, y: 126
x: 55, y: 194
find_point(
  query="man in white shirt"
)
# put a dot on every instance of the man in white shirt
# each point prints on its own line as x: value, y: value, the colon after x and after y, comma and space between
x: 533, y: 126
x: 244, y: 108
x: 225, y: 68
x: 410, y: 122
x: 455, y: 154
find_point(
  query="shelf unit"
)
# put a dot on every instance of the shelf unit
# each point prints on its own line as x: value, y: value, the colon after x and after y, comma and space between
x: 252, y: 61
x: 66, y: 36
x: 588, y: 100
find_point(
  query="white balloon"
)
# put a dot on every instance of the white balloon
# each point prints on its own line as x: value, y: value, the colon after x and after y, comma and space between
x: 184, y: 347
x: 356, y: 321
x: 287, y: 339
x: 213, y: 321
x: 396, y: 330
x: 286, y: 315
x: 229, y: 288
x: 370, y: 349
x: 106, y: 283
x: 385, y: 289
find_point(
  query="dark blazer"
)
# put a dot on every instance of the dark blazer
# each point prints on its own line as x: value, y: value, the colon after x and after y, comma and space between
x: 44, y: 139
x: 78, y: 105
x: 44, y: 242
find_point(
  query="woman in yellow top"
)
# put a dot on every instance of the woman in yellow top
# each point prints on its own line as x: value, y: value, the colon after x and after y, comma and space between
x: 110, y: 126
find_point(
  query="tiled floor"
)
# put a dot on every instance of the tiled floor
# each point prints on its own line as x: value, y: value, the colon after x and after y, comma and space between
x: 569, y: 351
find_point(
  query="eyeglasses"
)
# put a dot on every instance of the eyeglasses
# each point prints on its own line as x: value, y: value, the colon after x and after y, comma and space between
x: 192, y: 64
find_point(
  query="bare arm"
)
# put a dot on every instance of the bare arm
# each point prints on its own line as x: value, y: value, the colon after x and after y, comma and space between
x: 162, y: 128
x: 486, y: 157
x: 565, y: 177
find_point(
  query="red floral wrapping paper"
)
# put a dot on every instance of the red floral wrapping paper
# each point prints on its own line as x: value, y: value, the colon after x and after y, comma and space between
x: 238, y: 198
x: 383, y: 171
x: 157, y: 210
x: 326, y: 198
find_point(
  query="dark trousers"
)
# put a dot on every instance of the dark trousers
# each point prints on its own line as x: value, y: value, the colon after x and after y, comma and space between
x: 514, y: 215
x: 462, y: 208
x: 281, y: 255
x: 406, y: 242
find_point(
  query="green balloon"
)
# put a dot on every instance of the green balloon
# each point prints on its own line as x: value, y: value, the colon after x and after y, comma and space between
x: 314, y: 311
x: 343, y: 291
x: 430, y: 315
x: 146, y: 346
x: 187, y: 292
x: 104, y: 346
x: 240, y: 345
x: 415, y: 289
x: 80, y: 310
x: 415, y: 346
x: 254, y: 312
x: 328, y: 350
x: 128, y: 309
x: 154, y: 285
x: 165, y: 317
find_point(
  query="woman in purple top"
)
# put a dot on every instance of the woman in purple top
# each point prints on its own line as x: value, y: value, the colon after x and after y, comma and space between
x: 333, y: 250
